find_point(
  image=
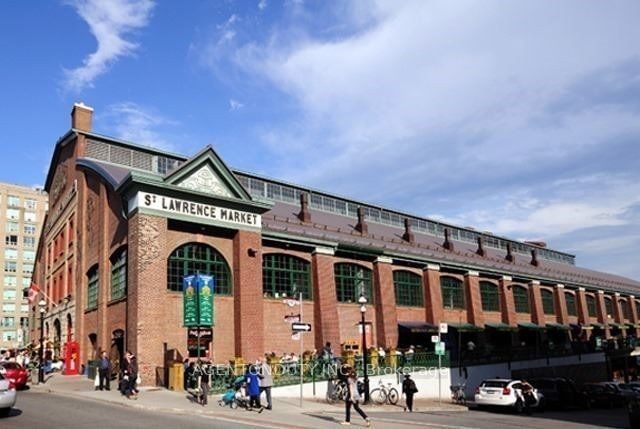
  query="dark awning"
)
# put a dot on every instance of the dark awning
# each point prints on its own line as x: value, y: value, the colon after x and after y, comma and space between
x: 466, y: 327
x: 580, y: 326
x: 558, y: 326
x: 417, y: 327
x: 598, y: 325
x: 501, y: 326
x: 529, y: 325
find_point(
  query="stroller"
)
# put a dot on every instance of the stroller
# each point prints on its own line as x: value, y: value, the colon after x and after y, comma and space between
x: 234, y: 397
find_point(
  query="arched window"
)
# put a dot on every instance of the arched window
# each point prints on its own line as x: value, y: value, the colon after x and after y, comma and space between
x: 196, y: 258
x: 608, y: 307
x: 92, y: 288
x: 626, y: 311
x: 548, y: 306
x: 521, y: 299
x: 490, y: 296
x: 285, y: 276
x: 452, y: 292
x: 351, y: 281
x: 119, y: 274
x: 408, y: 288
x: 570, y: 299
x: 591, y: 306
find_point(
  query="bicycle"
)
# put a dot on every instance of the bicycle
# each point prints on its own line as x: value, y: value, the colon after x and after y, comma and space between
x: 337, y: 392
x: 457, y: 393
x: 384, y: 394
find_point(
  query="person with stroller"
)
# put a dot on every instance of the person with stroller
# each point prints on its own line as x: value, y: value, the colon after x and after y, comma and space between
x: 353, y: 398
x: 253, y: 388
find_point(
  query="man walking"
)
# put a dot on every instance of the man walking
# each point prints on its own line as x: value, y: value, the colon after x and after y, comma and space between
x: 266, y: 381
x: 104, y: 370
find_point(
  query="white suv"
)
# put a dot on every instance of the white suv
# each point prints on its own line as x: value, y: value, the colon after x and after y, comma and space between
x: 504, y: 393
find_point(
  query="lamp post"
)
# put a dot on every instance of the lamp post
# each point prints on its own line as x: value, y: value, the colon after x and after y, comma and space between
x: 42, y: 304
x: 365, y: 354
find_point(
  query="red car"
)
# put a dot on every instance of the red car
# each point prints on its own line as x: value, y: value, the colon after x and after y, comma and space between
x: 15, y: 373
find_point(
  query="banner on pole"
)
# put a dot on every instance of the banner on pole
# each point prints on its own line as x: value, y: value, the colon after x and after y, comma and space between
x: 190, y: 301
x: 206, y: 285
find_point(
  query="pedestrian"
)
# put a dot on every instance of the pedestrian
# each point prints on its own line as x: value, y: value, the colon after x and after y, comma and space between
x: 409, y: 389
x: 352, y: 399
x: 266, y: 382
x: 204, y: 371
x: 104, y: 370
x: 131, y: 375
x: 253, y: 387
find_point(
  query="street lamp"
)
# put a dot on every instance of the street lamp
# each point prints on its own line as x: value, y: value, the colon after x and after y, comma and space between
x: 42, y: 304
x: 363, y: 309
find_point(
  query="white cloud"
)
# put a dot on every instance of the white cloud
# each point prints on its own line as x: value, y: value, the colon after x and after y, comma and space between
x: 110, y: 22
x: 497, y: 115
x: 262, y: 4
x: 235, y: 105
x: 138, y: 124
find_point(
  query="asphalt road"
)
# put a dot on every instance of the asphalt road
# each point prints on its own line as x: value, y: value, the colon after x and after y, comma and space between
x: 48, y: 410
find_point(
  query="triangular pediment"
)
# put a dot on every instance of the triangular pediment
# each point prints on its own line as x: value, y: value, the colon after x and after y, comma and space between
x: 208, y: 174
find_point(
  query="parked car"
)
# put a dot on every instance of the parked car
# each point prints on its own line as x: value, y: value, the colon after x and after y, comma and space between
x: 560, y: 393
x: 603, y: 395
x: 16, y: 374
x: 633, y: 408
x: 7, y: 396
x: 505, y: 393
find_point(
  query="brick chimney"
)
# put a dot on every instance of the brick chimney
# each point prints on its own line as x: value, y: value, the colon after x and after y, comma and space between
x: 534, y: 258
x: 509, y: 256
x: 362, y: 226
x: 447, y: 243
x: 408, y: 234
x: 480, y: 250
x: 81, y: 116
x: 304, y: 215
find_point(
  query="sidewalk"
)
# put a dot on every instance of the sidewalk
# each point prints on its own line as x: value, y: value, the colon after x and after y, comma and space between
x: 286, y: 412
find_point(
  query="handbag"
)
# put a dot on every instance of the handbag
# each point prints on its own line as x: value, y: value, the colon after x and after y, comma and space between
x: 96, y: 380
x: 138, y: 380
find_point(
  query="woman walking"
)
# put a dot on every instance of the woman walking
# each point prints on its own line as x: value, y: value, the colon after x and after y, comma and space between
x: 352, y: 399
x: 131, y: 374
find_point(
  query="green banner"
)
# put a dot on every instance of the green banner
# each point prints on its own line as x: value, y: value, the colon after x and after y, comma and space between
x: 190, y: 301
x: 206, y: 285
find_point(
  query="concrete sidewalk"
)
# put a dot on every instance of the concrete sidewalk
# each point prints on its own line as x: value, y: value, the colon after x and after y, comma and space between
x: 286, y: 412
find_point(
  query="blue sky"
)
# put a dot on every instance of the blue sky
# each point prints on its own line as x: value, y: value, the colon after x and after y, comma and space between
x: 520, y: 118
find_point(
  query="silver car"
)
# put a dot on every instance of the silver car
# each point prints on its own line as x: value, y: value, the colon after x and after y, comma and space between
x: 7, y: 396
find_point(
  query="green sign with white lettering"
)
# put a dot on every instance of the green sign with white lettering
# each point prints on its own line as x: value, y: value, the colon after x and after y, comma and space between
x: 440, y: 348
x: 190, y: 301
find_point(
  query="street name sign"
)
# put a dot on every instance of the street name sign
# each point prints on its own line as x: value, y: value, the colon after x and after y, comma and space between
x: 301, y: 327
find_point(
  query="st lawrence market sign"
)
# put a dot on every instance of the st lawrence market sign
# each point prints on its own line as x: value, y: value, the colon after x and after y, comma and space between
x: 191, y: 209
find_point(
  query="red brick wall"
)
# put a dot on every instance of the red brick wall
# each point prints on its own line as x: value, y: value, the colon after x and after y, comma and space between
x: 326, y: 322
x: 277, y: 333
x: 350, y: 318
x: 432, y: 295
x: 406, y: 314
x: 473, y: 300
x: 507, y: 304
x: 385, y: 305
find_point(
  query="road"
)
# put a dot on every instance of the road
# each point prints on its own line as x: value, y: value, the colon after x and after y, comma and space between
x: 39, y: 409
x: 47, y: 410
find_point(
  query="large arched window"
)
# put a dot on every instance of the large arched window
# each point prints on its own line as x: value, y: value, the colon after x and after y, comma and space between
x: 548, y: 306
x: 521, y: 299
x: 351, y: 281
x: 285, y: 276
x: 570, y: 299
x: 626, y: 310
x: 408, y: 288
x: 591, y: 306
x: 608, y: 306
x: 490, y: 296
x: 194, y: 258
x: 119, y: 274
x: 452, y: 292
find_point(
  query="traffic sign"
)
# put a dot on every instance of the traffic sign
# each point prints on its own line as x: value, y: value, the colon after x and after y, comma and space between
x: 301, y: 327
x: 434, y: 339
x: 440, y: 348
x: 444, y: 328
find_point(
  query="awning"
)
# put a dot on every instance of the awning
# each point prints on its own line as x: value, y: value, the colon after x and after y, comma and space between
x: 632, y: 325
x: 501, y: 326
x: 580, y: 326
x: 617, y: 325
x: 598, y: 325
x: 466, y: 327
x: 558, y: 326
x: 529, y: 325
x: 417, y: 327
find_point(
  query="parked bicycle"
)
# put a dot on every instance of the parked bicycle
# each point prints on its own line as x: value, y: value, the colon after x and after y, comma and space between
x: 384, y: 394
x: 457, y: 393
x: 337, y: 391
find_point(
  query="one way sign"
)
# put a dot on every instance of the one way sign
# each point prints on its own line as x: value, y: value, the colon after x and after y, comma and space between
x: 301, y: 327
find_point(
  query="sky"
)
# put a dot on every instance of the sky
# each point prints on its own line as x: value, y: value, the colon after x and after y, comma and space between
x: 519, y: 118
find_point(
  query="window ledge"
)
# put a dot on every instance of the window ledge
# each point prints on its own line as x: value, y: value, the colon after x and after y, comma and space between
x: 117, y: 300
x: 89, y: 310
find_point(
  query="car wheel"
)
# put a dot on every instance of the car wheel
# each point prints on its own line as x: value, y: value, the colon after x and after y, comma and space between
x: 542, y: 405
x: 5, y: 412
x: 518, y: 406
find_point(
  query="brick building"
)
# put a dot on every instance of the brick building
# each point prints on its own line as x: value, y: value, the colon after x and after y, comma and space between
x: 133, y: 220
